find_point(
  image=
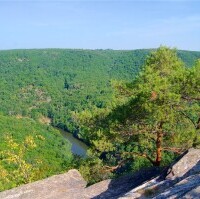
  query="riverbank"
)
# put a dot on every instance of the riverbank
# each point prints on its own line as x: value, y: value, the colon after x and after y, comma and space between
x: 78, y: 146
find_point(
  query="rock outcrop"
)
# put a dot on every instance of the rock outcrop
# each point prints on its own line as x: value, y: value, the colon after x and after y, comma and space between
x: 68, y: 185
x: 180, y: 180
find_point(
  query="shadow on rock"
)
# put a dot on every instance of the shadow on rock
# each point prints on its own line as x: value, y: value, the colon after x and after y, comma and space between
x: 118, y: 187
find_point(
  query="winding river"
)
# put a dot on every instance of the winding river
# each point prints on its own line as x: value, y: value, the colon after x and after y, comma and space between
x: 78, y: 147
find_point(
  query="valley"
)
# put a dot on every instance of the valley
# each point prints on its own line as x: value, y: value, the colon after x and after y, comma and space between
x: 46, y: 90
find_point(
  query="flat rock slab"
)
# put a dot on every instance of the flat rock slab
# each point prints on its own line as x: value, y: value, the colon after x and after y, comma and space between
x: 71, y: 185
x: 63, y: 186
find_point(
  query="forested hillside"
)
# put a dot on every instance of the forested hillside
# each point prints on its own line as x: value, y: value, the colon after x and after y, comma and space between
x: 76, y: 90
x: 30, y: 151
x: 55, y: 82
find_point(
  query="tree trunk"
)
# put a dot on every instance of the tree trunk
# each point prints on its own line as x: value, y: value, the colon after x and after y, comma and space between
x: 158, y: 148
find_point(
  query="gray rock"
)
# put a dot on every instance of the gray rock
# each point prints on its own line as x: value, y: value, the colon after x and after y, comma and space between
x: 180, y: 180
x: 180, y: 189
x: 118, y: 187
x: 187, y: 165
x: 63, y: 186
x: 194, y: 194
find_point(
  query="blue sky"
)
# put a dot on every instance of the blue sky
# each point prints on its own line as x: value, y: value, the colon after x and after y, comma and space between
x: 99, y: 24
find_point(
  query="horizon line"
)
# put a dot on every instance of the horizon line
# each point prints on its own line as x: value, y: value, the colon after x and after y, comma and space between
x: 93, y: 49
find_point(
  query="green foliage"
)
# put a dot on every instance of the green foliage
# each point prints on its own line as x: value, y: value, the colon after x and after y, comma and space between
x: 55, y: 82
x: 91, y: 168
x: 158, y: 112
x: 30, y: 151
x: 72, y: 89
x: 15, y: 168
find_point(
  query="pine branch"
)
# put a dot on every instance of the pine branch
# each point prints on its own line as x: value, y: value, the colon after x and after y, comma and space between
x: 113, y: 168
x: 173, y: 149
x: 141, y: 155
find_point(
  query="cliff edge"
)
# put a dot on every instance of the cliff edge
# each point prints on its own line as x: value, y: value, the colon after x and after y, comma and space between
x: 180, y: 180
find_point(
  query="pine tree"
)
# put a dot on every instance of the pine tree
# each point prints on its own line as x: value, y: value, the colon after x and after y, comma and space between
x: 157, y: 112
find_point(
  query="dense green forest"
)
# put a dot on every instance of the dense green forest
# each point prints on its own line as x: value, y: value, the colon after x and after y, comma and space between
x: 55, y: 82
x: 111, y: 99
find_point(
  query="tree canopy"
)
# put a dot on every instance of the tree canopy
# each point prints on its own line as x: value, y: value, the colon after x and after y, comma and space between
x: 155, y: 115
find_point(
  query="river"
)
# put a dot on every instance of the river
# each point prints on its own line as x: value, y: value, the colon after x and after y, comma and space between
x: 78, y: 147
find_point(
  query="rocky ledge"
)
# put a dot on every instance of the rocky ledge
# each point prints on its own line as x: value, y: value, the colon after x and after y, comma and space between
x: 180, y: 180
